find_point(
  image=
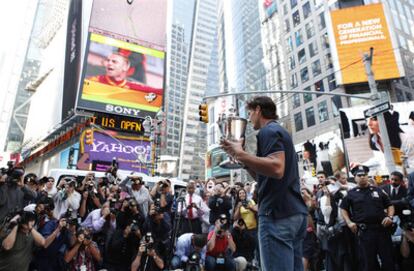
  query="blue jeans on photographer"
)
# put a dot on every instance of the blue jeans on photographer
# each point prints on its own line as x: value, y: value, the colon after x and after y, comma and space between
x: 213, y: 265
x: 280, y: 242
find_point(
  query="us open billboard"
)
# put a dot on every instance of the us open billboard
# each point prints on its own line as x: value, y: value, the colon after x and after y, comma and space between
x: 353, y: 31
x: 124, y: 66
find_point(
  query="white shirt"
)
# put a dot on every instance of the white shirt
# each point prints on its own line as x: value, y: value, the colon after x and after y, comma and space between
x: 197, y: 200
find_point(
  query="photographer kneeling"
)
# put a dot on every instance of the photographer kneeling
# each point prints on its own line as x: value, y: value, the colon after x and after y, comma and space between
x: 220, y: 246
x: 17, y: 247
x: 147, y: 258
x: 245, y: 245
x: 190, y: 251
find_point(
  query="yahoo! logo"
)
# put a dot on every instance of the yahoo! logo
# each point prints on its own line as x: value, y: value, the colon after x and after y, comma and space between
x: 100, y: 146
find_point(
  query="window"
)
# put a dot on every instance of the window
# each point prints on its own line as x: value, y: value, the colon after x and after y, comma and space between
x: 293, y: 3
x: 293, y: 80
x: 325, y: 41
x: 285, y: 9
x: 302, y: 56
x: 304, y: 75
x: 319, y: 87
x: 307, y: 97
x: 296, y: 100
x: 287, y: 25
x: 328, y: 61
x: 306, y: 10
x: 310, y: 116
x: 323, y: 111
x: 298, y: 38
x: 291, y: 62
x: 296, y: 18
x: 331, y: 82
x: 298, y: 122
x: 310, y: 30
x: 336, y: 105
x: 316, y: 68
x: 313, y: 48
x: 321, y: 21
x: 289, y: 44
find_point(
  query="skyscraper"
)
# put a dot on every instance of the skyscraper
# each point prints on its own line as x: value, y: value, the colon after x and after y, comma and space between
x: 202, y: 78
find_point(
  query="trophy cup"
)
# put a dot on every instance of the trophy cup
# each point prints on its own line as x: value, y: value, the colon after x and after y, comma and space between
x: 232, y: 128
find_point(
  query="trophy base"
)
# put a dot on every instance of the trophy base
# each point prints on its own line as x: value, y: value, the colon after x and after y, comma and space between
x: 228, y: 164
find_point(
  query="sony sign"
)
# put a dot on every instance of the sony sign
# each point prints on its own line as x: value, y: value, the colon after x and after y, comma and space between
x: 122, y: 110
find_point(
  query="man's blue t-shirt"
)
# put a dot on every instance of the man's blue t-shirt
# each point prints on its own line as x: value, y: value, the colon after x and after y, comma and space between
x: 279, y: 198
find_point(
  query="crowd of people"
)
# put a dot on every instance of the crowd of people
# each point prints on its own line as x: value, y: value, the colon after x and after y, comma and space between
x: 95, y: 223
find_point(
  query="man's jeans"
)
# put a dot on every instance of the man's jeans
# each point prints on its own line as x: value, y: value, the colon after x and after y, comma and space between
x: 280, y: 242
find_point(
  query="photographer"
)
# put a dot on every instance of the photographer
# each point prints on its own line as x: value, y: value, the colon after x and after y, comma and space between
x: 191, y: 209
x: 17, y: 246
x: 162, y: 191
x: 67, y: 197
x: 147, y: 258
x: 51, y: 258
x: 121, y: 247
x: 189, y: 244
x: 91, y: 199
x: 245, y: 245
x: 219, y: 204
x: 129, y: 212
x: 246, y: 210
x: 160, y: 229
x: 97, y: 219
x: 84, y: 254
x: 13, y: 192
x: 220, y: 246
x: 138, y: 191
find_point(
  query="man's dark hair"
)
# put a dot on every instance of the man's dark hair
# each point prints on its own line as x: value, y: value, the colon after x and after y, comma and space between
x: 199, y: 240
x: 267, y: 106
x: 322, y: 172
x: 398, y: 174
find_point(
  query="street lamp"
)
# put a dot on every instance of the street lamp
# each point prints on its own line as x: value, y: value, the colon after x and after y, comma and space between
x: 152, y: 130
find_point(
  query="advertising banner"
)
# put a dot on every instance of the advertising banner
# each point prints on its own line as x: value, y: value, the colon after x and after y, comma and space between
x: 214, y: 157
x: 123, y: 71
x: 131, y: 153
x: 353, y: 31
x: 363, y: 141
x: 72, y: 58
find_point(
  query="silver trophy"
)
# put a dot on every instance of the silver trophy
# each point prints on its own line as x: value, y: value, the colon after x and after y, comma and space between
x: 232, y: 128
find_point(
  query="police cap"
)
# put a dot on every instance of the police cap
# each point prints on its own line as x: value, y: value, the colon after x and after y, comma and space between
x: 359, y: 169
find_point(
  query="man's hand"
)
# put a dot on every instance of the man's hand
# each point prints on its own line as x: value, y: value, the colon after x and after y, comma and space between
x: 3, y: 178
x: 106, y: 212
x: 87, y: 242
x: 141, y: 249
x: 233, y: 148
x: 386, y: 222
x: 353, y: 227
x: 62, y: 224
x: 85, y: 195
x: 15, y: 218
x: 217, y: 225
x: 151, y: 252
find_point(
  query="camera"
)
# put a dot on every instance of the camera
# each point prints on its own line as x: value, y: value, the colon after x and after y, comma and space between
x: 157, y: 205
x: 71, y: 217
x: 407, y: 220
x: 193, y: 263
x: 245, y: 203
x: 134, y: 226
x: 223, y: 224
x: 148, y: 241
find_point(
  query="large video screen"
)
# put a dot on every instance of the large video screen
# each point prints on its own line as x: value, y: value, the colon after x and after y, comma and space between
x: 123, y: 71
x: 363, y: 138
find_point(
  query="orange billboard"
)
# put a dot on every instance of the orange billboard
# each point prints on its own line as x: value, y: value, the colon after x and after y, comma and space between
x: 353, y: 32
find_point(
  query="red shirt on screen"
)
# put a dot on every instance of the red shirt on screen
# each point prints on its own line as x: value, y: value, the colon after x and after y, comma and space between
x: 220, y: 247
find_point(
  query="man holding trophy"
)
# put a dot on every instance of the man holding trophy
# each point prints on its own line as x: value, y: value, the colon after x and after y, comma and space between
x: 282, y: 211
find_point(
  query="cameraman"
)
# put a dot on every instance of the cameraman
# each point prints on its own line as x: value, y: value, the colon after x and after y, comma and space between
x: 220, y: 246
x: 187, y: 245
x: 13, y: 192
x: 129, y: 212
x: 51, y: 258
x: 97, y: 219
x: 91, y: 199
x: 147, y: 258
x: 84, y: 254
x: 138, y: 191
x: 162, y: 191
x: 219, y: 204
x: 121, y: 247
x: 67, y: 197
x: 16, y: 248
x: 191, y: 209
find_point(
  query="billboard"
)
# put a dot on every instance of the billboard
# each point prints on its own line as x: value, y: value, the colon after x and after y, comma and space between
x: 123, y: 71
x: 72, y: 58
x: 353, y: 31
x: 363, y: 142
x: 132, y: 153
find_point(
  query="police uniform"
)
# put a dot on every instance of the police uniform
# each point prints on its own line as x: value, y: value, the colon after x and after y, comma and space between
x: 365, y: 207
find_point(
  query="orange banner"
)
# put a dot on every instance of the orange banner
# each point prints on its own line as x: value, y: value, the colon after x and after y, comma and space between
x: 356, y: 30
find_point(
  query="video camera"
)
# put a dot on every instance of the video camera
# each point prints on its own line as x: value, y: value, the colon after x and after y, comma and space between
x: 407, y: 220
x: 193, y: 263
x: 224, y: 226
x: 148, y: 241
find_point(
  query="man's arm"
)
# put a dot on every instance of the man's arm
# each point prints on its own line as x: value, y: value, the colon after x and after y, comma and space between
x: 232, y: 245
x: 39, y: 240
x: 8, y: 242
x: 72, y: 252
x: 271, y: 166
x: 351, y: 225
x: 212, y: 242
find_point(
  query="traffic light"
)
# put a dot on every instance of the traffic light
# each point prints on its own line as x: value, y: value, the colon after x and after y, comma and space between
x: 203, y: 112
x: 89, y: 136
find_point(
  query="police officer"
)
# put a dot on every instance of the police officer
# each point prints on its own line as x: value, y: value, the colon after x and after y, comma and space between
x: 363, y: 211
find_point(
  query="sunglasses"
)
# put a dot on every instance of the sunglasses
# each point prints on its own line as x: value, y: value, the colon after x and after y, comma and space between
x: 361, y: 175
